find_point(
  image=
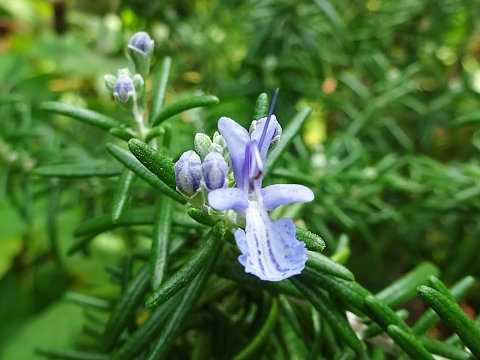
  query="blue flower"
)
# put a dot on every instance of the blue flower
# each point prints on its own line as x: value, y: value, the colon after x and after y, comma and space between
x: 269, y: 249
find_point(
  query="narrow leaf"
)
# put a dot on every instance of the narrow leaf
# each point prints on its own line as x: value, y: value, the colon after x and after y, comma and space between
x: 255, y: 344
x: 161, y: 241
x: 374, y: 329
x: 122, y: 194
x: 160, y: 86
x: 192, y: 294
x: 158, y: 164
x: 187, y: 272
x: 80, y: 170
x: 88, y: 301
x: 454, y: 317
x: 312, y: 241
x: 125, y: 308
x: 330, y: 313
x: 87, y: 116
x: 445, y: 350
x: 183, y: 105
x: 405, y: 288
x: 202, y: 217
x: 154, y: 133
x: 323, y: 264
x: 408, y: 344
x: 261, y: 107
x: 456, y: 292
x: 287, y: 137
x: 137, y: 342
x: 383, y: 314
x: 121, y: 133
x: 127, y: 159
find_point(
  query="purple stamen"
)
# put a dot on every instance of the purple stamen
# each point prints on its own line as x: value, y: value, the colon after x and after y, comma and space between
x: 270, y: 112
x: 246, y: 167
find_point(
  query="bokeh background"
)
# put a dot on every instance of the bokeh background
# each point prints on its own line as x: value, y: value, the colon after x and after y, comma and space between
x: 391, y: 147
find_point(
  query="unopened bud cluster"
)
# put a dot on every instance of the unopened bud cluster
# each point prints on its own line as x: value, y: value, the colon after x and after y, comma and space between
x: 198, y: 173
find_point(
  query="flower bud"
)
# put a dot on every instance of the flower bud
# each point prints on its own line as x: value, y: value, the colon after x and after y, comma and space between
x: 123, y: 89
x: 188, y: 172
x: 277, y: 134
x: 203, y: 145
x: 214, y: 170
x: 110, y: 81
x: 140, y: 49
x: 218, y: 139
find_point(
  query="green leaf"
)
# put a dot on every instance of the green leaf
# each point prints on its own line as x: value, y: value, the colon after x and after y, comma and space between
x: 383, y: 314
x: 127, y: 159
x: 122, y: 194
x: 374, y: 329
x: 87, y: 116
x: 154, y: 133
x: 175, y: 323
x: 311, y: 240
x: 348, y: 291
x: 457, y: 291
x: 261, y: 107
x: 140, y: 216
x: 161, y: 241
x: 265, y: 331
x: 330, y: 313
x: 405, y: 288
x: 323, y: 264
x: 287, y: 137
x: 445, y: 350
x: 454, y: 317
x: 158, y: 164
x: 202, y: 217
x: 187, y: 272
x: 408, y: 343
x: 137, y: 342
x: 183, y: 105
x: 88, y: 301
x: 80, y: 169
x: 121, y: 133
x: 159, y: 88
x: 125, y: 308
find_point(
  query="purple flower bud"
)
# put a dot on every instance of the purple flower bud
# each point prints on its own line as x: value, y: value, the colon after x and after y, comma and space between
x: 123, y: 87
x: 214, y: 170
x: 188, y: 172
x: 141, y: 41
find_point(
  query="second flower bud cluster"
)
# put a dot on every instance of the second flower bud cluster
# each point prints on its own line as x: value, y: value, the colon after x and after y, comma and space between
x: 194, y: 178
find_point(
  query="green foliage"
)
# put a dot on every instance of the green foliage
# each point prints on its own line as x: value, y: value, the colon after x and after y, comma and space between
x: 379, y: 108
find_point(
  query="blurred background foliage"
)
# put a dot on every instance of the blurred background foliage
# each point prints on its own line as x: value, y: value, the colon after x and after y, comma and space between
x: 391, y: 148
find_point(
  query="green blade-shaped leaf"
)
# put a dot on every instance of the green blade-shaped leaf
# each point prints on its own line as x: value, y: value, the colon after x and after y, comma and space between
x: 127, y: 159
x: 158, y: 164
x: 183, y: 105
x: 323, y: 264
x: 329, y: 312
x: 161, y: 241
x: 122, y: 194
x: 160, y: 86
x: 408, y: 343
x: 125, y: 308
x: 87, y: 116
x: 187, y: 272
x: 454, y: 317
x: 80, y: 170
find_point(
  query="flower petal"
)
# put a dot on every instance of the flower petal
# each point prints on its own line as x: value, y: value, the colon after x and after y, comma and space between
x: 226, y: 199
x: 284, y: 194
x: 257, y: 134
x: 270, y: 251
x: 236, y: 138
